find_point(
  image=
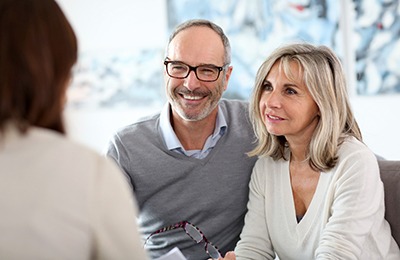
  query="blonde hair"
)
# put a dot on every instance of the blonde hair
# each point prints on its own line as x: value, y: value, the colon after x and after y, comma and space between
x: 324, y: 77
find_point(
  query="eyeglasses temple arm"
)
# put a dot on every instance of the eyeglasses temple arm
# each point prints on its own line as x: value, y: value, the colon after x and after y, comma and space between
x: 175, y: 226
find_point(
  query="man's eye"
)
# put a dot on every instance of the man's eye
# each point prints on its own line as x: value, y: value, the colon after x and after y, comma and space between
x: 207, y: 70
x: 178, y: 67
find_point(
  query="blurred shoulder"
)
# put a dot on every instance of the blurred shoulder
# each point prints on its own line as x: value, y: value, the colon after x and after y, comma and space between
x: 53, y: 141
x: 51, y: 155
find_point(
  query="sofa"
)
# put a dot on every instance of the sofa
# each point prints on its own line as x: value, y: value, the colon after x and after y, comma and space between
x: 390, y: 175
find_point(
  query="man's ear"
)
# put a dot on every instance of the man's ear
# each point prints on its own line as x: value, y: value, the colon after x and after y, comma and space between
x: 227, y: 76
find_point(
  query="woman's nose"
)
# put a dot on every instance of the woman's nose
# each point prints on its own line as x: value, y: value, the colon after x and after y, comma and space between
x: 273, y: 100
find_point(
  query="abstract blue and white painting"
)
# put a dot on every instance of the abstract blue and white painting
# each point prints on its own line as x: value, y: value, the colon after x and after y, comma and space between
x: 377, y: 45
x: 120, y: 79
x: 254, y: 28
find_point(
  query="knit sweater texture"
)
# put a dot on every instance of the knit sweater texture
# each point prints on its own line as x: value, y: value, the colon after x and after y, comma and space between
x: 211, y: 193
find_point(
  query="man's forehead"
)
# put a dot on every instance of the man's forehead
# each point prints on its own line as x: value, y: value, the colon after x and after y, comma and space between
x: 197, y: 43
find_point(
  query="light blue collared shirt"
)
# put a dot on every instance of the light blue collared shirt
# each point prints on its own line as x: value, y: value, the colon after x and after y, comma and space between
x: 173, y: 143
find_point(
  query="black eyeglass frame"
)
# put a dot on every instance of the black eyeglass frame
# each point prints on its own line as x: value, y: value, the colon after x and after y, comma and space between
x: 183, y: 224
x: 194, y: 68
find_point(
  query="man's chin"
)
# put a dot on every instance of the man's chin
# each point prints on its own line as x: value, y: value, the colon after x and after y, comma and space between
x: 193, y: 116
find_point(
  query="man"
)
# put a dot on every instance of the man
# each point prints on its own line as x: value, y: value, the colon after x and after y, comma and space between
x: 189, y: 162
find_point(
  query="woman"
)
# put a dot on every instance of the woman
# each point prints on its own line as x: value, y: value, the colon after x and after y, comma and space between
x: 58, y: 200
x: 315, y: 191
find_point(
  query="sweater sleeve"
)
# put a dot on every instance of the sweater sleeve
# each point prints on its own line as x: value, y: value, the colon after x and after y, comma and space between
x: 254, y: 241
x: 116, y: 150
x: 115, y: 232
x: 356, y: 207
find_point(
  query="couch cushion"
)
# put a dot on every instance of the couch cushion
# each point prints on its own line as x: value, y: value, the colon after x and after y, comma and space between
x: 390, y: 175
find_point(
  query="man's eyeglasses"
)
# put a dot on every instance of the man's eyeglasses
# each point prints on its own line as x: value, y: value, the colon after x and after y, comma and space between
x: 180, y: 70
x: 194, y: 233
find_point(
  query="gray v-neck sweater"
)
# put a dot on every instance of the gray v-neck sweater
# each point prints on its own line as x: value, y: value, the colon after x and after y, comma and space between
x: 211, y: 193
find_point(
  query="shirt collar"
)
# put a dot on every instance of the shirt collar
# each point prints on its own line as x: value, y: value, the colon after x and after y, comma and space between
x: 169, y: 136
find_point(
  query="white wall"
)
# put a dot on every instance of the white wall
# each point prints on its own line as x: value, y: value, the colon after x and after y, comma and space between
x: 116, y: 24
x: 95, y: 127
x: 126, y: 24
x: 107, y: 26
x: 380, y: 123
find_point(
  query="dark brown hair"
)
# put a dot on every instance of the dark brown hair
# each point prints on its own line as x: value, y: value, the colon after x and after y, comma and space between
x: 38, y: 49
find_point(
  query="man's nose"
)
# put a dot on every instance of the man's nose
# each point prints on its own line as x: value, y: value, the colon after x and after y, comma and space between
x: 191, y: 82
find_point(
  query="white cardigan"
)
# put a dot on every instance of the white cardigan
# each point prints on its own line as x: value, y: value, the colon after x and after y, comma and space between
x: 60, y: 200
x: 345, y: 219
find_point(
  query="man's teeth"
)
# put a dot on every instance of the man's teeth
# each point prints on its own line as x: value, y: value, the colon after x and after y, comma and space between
x: 192, y: 97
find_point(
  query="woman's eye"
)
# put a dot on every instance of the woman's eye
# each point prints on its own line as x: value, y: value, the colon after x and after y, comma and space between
x: 267, y: 87
x: 291, y: 91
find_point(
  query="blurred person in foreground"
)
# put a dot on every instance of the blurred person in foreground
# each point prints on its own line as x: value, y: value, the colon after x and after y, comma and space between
x: 315, y: 192
x: 58, y: 200
x: 188, y: 165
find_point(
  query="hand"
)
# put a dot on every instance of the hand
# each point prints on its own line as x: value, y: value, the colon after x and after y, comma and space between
x: 228, y: 256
